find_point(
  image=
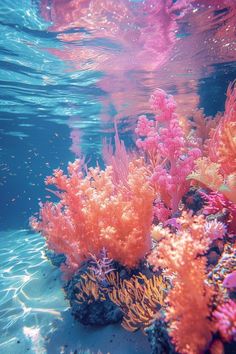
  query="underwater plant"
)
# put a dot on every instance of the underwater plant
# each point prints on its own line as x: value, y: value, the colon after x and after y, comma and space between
x: 93, y: 213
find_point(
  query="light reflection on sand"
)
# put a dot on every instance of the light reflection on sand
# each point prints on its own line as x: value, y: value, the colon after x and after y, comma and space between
x: 30, y: 297
x: 35, y: 317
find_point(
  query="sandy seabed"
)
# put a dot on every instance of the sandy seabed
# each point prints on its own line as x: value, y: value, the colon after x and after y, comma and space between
x: 34, y: 315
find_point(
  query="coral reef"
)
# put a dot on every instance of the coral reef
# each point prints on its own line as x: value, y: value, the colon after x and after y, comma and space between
x: 217, y: 206
x: 217, y: 171
x: 142, y: 243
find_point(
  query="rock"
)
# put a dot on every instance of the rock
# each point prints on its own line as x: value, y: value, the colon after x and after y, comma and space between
x: 96, y: 312
x: 56, y: 259
x: 159, y: 339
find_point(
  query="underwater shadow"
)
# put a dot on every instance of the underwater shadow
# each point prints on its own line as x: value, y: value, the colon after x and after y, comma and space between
x: 69, y: 336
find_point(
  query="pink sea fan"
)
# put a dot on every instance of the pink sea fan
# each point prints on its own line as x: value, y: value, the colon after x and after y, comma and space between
x: 225, y: 316
x: 215, y: 229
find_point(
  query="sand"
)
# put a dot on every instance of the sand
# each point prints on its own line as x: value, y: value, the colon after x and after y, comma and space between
x: 34, y: 315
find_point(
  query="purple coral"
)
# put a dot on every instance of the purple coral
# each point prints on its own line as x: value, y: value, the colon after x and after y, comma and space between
x: 101, y: 265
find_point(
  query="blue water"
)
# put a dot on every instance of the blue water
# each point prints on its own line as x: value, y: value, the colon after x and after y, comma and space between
x: 51, y: 111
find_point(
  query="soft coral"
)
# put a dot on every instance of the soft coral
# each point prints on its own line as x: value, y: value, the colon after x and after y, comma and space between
x: 94, y: 213
x: 170, y: 155
x: 181, y: 255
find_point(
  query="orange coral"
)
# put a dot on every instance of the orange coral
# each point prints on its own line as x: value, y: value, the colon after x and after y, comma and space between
x: 207, y: 173
x: 188, y: 312
x: 203, y: 125
x: 223, y: 141
x: 89, y: 290
x: 139, y: 298
x: 220, y: 166
x: 94, y: 213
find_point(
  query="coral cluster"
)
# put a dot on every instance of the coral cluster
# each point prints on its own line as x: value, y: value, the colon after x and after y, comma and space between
x: 143, y: 242
x: 94, y: 213
x: 217, y: 171
x: 188, y: 311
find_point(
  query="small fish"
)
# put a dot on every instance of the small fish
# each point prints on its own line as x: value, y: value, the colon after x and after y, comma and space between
x: 230, y: 280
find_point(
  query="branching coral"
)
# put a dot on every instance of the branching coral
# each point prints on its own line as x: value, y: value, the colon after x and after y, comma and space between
x: 220, y: 165
x: 181, y: 255
x: 203, y: 125
x: 169, y: 154
x: 223, y: 141
x: 140, y: 299
x: 101, y: 265
x: 94, y: 213
x: 207, y: 173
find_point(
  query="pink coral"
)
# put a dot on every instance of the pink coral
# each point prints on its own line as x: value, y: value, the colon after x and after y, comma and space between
x: 118, y: 159
x: 217, y: 203
x: 170, y: 155
x: 94, y: 213
x: 225, y: 316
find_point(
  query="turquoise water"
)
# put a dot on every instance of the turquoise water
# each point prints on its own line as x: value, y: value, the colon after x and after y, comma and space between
x: 64, y: 81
